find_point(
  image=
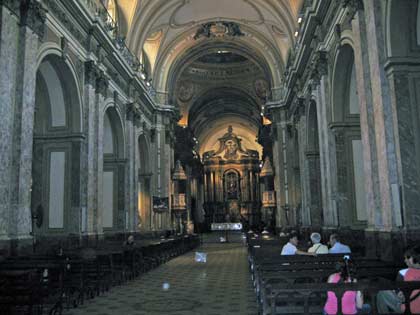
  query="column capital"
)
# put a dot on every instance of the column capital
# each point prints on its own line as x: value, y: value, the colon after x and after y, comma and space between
x: 133, y: 112
x: 33, y: 15
x: 319, y: 66
x: 96, y: 77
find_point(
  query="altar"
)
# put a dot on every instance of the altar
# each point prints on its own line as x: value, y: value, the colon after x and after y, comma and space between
x: 225, y: 227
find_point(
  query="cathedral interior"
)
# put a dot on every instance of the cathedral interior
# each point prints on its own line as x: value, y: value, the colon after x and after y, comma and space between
x: 163, y: 119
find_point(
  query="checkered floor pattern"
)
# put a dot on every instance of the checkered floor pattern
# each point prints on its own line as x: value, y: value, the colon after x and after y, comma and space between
x: 221, y: 286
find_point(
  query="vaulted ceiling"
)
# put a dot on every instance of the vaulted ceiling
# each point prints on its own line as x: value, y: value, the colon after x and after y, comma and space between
x: 225, y: 77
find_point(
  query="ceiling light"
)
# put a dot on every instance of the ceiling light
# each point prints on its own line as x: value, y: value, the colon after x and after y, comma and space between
x: 148, y: 83
x: 143, y: 76
x: 296, y: 34
x: 300, y: 20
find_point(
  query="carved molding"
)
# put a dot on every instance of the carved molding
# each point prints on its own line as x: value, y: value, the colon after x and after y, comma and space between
x: 319, y: 66
x: 134, y: 113
x: 31, y: 13
x: 218, y: 29
x: 96, y: 77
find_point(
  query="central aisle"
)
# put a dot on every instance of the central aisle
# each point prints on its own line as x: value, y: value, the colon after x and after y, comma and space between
x: 221, y: 286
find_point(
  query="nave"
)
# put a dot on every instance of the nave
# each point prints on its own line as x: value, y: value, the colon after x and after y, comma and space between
x: 222, y: 285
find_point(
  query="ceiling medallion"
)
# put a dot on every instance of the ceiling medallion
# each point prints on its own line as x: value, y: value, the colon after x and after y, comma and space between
x: 185, y: 91
x: 218, y: 29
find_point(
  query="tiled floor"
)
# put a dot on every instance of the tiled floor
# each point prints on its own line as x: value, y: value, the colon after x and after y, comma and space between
x: 221, y: 286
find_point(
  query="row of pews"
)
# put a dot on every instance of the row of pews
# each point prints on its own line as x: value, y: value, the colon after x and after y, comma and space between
x: 46, y: 284
x: 298, y: 284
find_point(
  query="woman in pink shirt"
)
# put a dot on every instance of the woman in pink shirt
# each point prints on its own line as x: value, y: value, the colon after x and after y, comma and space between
x: 351, y: 301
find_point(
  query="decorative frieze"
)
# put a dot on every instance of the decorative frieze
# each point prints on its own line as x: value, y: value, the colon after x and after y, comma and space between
x: 54, y: 8
x: 218, y: 29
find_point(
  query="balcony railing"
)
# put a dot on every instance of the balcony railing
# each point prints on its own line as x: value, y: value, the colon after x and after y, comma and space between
x: 98, y: 9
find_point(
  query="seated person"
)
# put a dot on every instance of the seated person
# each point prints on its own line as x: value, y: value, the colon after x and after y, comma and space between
x: 336, y: 246
x: 130, y: 241
x: 393, y: 301
x: 291, y: 249
x: 317, y: 247
x: 351, y: 301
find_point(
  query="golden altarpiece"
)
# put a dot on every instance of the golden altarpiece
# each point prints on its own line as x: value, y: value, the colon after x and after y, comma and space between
x: 231, y: 182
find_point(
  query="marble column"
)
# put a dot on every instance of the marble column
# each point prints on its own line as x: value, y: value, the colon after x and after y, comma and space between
x: 130, y: 170
x: 361, y: 63
x: 101, y: 95
x: 91, y: 113
x: 305, y: 210
x: 9, y: 32
x: 280, y: 165
x: 328, y: 164
x: 405, y: 101
x: 342, y: 194
x: 390, y: 215
x: 312, y: 159
x: 21, y: 32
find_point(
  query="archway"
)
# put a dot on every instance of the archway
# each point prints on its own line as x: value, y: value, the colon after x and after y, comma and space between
x: 113, y: 213
x: 144, y: 204
x: 350, y: 196
x: 55, y: 196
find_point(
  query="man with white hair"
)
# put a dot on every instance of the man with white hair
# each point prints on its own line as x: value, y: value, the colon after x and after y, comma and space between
x: 317, y: 247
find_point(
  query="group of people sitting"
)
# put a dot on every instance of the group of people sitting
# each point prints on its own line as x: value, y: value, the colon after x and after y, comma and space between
x: 353, y: 302
x: 317, y: 247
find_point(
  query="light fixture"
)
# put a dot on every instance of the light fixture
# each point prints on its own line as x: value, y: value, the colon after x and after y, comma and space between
x: 296, y: 34
x: 300, y: 20
x: 142, y: 76
x: 148, y: 83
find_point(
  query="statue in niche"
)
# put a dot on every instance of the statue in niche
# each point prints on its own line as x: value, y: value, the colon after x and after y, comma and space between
x: 232, y: 186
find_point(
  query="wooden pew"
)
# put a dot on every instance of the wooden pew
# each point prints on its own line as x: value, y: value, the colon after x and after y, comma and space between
x: 309, y: 299
x: 48, y: 272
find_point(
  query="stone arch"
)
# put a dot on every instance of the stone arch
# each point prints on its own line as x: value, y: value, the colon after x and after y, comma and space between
x: 114, y: 117
x: 343, y: 85
x: 144, y: 203
x: 181, y: 45
x: 66, y: 69
x: 56, y: 144
x: 345, y: 124
x: 113, y: 178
